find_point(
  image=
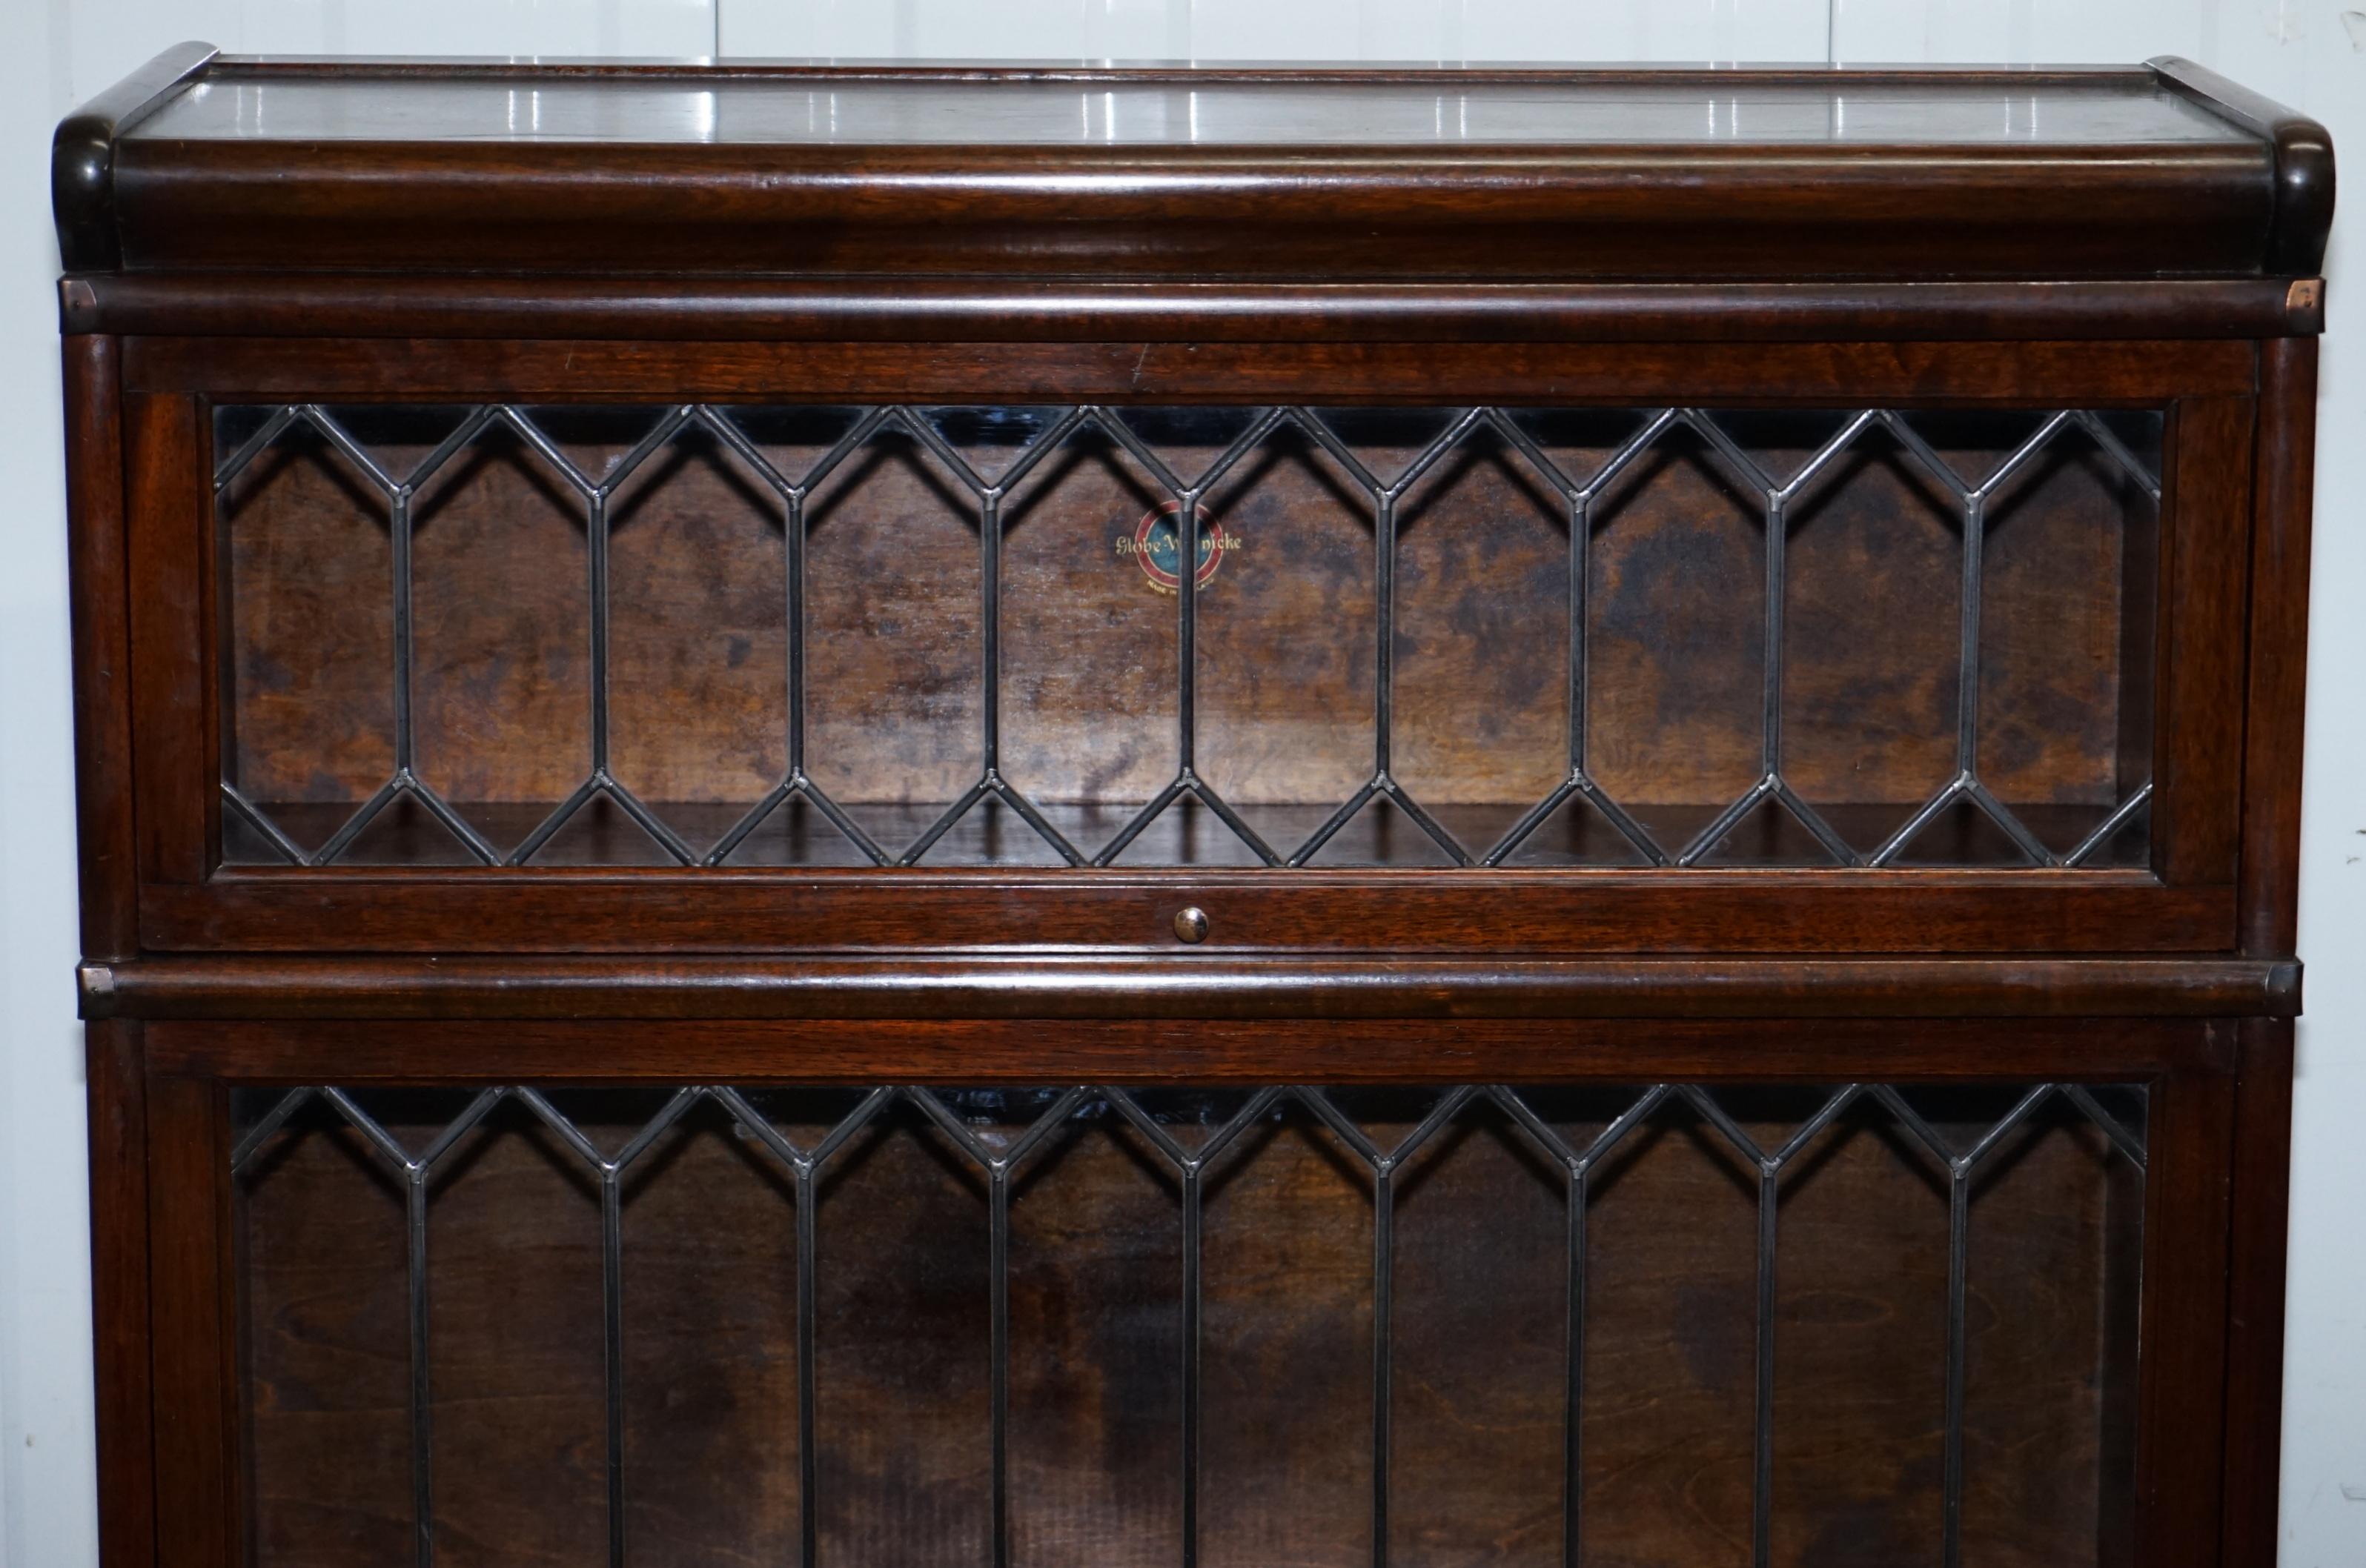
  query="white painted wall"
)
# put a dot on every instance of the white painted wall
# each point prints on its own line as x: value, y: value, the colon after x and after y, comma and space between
x: 1285, y: 29
x: 2310, y: 53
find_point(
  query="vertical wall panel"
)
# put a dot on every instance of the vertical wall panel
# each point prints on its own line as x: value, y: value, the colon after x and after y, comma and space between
x: 1510, y: 29
x: 2017, y: 32
x: 1780, y: 30
x: 1261, y: 30
x: 2312, y: 54
x: 1283, y: 29
x: 953, y: 29
x: 95, y: 45
x: 503, y: 27
x: 1408, y: 29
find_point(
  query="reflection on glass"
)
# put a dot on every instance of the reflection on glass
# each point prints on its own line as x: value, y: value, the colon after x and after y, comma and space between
x: 1646, y: 1323
x: 1459, y: 637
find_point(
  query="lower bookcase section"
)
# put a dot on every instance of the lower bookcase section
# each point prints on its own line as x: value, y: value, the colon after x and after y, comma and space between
x: 1663, y: 1323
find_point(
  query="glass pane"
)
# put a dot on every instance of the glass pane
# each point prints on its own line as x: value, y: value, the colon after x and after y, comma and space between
x: 1861, y: 1347
x: 1873, y: 625
x: 515, y: 1349
x: 697, y: 635
x: 1481, y: 715
x: 1286, y: 1352
x: 893, y: 648
x: 953, y: 636
x: 1571, y: 1355
x: 1095, y: 1336
x: 2049, y: 1423
x: 902, y: 1349
x: 1665, y: 1439
x: 1480, y: 1347
x: 2070, y: 566
x: 710, y: 1302
x: 501, y: 676
x: 1676, y: 643
x: 307, y: 581
x: 324, y: 1337
x: 1287, y: 652
x: 1089, y: 637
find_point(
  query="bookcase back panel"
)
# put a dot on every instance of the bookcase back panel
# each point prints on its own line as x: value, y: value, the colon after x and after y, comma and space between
x: 1649, y: 1325
x: 718, y: 636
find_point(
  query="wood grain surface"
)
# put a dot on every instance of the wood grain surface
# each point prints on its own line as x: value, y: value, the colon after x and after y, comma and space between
x: 1478, y: 1344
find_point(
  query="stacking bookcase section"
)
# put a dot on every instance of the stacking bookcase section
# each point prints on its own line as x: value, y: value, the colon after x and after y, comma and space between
x: 1890, y: 599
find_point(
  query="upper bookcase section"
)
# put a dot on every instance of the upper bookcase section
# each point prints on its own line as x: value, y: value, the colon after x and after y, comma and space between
x: 204, y: 164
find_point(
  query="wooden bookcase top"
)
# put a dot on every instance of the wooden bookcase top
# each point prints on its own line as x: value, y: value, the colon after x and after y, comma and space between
x: 209, y: 163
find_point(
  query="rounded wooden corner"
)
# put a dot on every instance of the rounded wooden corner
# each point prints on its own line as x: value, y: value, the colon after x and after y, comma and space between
x: 82, y: 155
x: 2302, y: 150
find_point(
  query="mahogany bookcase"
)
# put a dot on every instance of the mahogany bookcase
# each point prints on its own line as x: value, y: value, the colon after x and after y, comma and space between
x: 843, y: 814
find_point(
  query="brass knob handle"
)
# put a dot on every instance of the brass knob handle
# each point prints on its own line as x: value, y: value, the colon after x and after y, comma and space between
x: 1191, y: 923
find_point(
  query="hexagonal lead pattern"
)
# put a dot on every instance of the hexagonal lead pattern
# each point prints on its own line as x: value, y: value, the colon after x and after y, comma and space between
x: 1956, y: 1162
x: 991, y: 788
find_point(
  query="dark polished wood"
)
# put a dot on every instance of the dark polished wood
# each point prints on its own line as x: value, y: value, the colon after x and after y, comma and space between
x: 587, y: 910
x: 232, y: 205
x: 730, y: 309
x: 1149, y: 1051
x: 2106, y: 178
x: 261, y: 908
x: 82, y: 154
x: 168, y: 612
x: 115, y: 1073
x: 188, y: 1334
x: 1975, y: 172
x: 2304, y: 160
x: 2136, y: 246
x: 102, y: 648
x: 1840, y: 372
x: 2285, y: 471
x: 2180, y: 1497
x: 2198, y: 757
x: 453, y: 985
x: 2261, y: 1202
